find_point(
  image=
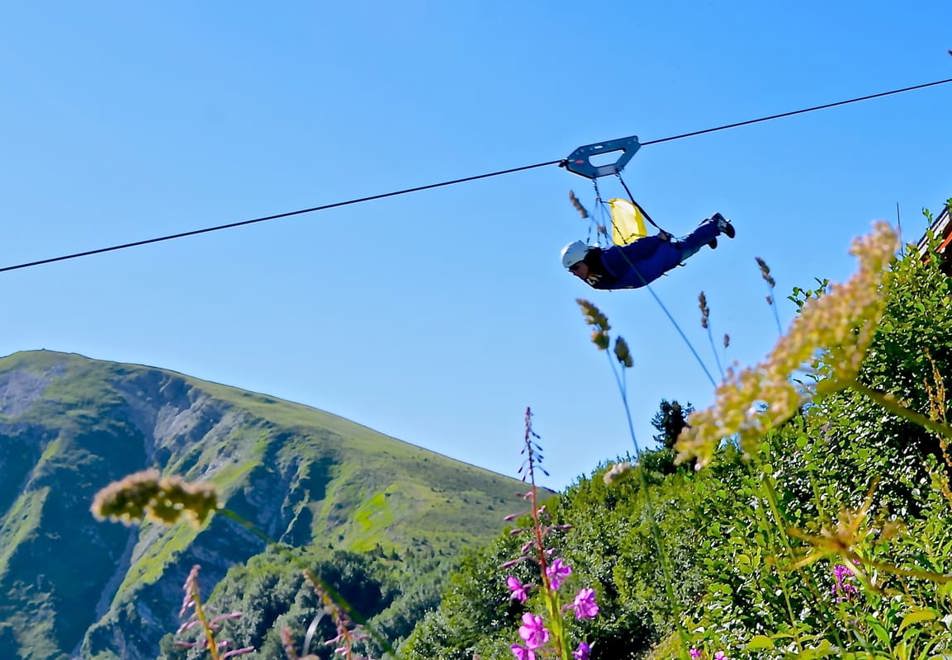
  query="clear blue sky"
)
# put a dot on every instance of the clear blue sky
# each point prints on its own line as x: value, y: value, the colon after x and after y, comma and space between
x: 437, y: 317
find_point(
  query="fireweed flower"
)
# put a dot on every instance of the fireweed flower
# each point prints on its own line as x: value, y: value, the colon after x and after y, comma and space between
x: 209, y: 627
x: 585, y: 606
x: 517, y: 588
x: 522, y: 653
x: 843, y: 588
x: 695, y: 653
x: 841, y: 324
x: 720, y: 655
x: 553, y: 571
x: 347, y: 631
x: 557, y: 571
x: 533, y: 631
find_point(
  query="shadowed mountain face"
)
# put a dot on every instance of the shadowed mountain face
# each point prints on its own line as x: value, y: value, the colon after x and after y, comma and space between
x: 70, y: 585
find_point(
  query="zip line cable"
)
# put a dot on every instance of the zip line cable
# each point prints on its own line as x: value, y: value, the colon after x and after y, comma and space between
x: 451, y: 182
x: 799, y: 112
x: 276, y: 216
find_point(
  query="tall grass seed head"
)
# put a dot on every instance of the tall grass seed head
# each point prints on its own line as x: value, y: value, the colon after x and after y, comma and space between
x: 148, y: 496
x: 601, y: 340
x: 765, y: 272
x: 623, y: 353
x: 582, y: 211
x: 593, y: 315
x: 705, y: 310
x: 598, y: 321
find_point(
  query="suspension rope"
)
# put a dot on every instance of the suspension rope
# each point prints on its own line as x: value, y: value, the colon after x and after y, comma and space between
x: 601, y: 230
x: 600, y: 204
x: 452, y: 182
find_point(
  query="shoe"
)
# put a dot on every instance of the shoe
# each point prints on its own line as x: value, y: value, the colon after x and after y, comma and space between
x: 724, y: 225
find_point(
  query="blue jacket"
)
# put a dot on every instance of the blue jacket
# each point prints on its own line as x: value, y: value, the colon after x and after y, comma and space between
x: 634, y: 265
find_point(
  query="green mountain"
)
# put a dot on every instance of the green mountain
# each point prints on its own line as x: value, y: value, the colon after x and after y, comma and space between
x: 71, y: 586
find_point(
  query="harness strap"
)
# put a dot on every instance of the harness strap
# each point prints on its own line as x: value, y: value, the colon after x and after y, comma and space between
x: 638, y: 206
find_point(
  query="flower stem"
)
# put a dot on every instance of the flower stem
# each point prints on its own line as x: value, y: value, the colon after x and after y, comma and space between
x: 623, y: 391
x: 765, y: 526
x: 776, y: 314
x: 771, y: 497
x: 203, y: 619
x: 891, y: 404
x: 717, y: 359
x: 552, y: 605
x: 655, y: 530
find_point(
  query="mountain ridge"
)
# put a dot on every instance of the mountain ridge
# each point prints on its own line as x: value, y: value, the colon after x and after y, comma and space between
x: 71, y: 424
x: 216, y: 384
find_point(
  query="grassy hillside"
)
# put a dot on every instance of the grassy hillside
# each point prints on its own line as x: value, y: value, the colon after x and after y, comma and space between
x: 70, y: 425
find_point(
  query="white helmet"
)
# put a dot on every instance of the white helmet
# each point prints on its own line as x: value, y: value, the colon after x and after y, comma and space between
x: 573, y: 253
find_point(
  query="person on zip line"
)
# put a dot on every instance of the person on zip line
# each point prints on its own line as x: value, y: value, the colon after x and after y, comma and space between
x: 643, y: 261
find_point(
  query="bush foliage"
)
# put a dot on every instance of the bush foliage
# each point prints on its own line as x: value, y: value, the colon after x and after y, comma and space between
x: 833, y: 538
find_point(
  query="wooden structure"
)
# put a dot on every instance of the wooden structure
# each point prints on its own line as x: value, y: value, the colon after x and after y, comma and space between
x: 942, y: 229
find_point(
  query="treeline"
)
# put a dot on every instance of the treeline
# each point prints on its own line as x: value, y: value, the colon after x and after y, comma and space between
x: 269, y: 595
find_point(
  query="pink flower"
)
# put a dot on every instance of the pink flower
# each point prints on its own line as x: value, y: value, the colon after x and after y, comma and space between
x: 532, y: 631
x: 695, y: 653
x: 557, y: 571
x: 585, y: 606
x: 843, y: 588
x: 522, y: 653
x: 517, y: 588
x: 582, y: 652
x: 236, y: 652
x: 720, y: 655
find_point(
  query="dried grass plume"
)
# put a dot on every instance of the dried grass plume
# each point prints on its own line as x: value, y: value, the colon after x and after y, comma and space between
x: 841, y: 324
x: 149, y: 496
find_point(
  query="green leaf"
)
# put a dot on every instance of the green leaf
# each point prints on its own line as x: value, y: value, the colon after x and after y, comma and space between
x: 782, y: 635
x: 760, y: 643
x: 917, y: 616
x: 824, y: 649
x: 879, y: 630
x: 900, y: 652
